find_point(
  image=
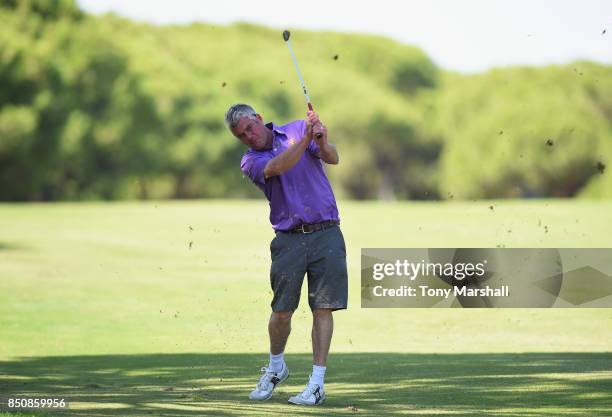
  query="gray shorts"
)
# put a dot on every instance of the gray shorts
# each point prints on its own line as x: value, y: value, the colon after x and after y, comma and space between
x: 322, y: 256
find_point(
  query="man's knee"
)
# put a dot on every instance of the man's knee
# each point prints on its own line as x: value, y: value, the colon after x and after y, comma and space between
x: 283, y: 316
x: 321, y: 312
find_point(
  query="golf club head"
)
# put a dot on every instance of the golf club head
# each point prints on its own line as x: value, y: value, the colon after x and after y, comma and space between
x: 286, y: 35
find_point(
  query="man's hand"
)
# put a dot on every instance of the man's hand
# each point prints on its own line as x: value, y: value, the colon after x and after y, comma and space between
x: 320, y: 135
x: 318, y: 129
x: 313, y: 117
x: 308, y: 134
x: 328, y: 152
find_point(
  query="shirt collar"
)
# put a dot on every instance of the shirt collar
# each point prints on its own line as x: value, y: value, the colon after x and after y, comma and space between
x: 275, y: 128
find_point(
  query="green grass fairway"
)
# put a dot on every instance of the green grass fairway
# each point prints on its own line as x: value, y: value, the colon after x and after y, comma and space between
x: 160, y: 308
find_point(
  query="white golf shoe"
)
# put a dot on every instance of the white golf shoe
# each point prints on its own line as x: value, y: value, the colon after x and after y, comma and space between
x: 312, y: 395
x: 268, y: 381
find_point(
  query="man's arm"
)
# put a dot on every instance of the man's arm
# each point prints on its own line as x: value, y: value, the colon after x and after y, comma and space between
x: 327, y: 152
x: 286, y: 160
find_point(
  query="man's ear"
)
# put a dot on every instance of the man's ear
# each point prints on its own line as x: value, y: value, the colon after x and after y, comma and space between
x: 258, y: 116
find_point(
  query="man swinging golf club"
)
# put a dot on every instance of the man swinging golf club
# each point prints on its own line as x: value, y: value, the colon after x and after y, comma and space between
x: 286, y: 163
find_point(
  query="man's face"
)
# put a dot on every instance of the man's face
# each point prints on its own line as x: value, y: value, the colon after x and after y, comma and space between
x: 252, y: 132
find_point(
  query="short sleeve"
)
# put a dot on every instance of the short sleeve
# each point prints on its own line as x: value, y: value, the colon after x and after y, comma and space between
x: 253, y: 167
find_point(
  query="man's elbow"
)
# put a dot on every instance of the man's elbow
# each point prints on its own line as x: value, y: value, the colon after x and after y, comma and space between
x: 270, y: 170
x: 333, y: 160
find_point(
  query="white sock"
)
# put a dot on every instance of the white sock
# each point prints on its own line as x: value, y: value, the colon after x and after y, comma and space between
x: 318, y: 373
x: 277, y: 362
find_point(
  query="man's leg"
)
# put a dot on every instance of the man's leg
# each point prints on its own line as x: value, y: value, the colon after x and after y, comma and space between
x: 276, y: 372
x: 322, y: 330
x: 327, y: 292
x: 279, y: 328
x: 286, y: 277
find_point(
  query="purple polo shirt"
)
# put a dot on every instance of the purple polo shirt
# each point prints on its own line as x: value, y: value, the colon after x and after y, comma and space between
x: 302, y: 195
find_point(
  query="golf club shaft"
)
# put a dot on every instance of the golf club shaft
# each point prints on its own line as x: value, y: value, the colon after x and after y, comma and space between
x: 297, y: 68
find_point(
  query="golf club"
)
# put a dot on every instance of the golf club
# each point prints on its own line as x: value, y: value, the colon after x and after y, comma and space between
x: 286, y: 36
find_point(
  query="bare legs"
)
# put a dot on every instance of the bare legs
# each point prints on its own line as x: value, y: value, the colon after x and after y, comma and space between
x: 322, y: 330
x: 279, y: 328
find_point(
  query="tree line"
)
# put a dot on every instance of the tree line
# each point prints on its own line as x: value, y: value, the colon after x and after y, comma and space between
x: 101, y: 107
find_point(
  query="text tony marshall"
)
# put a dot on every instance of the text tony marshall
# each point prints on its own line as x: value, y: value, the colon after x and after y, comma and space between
x: 426, y: 291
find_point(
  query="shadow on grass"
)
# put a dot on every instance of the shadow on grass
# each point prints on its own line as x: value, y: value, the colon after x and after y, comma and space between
x: 531, y: 384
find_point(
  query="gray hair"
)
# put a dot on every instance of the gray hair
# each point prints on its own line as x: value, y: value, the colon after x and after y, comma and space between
x: 237, y: 112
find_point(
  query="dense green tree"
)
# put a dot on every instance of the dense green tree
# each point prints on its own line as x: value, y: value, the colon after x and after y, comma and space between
x: 46, y: 9
x: 73, y: 119
x: 521, y: 132
x: 104, y: 107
